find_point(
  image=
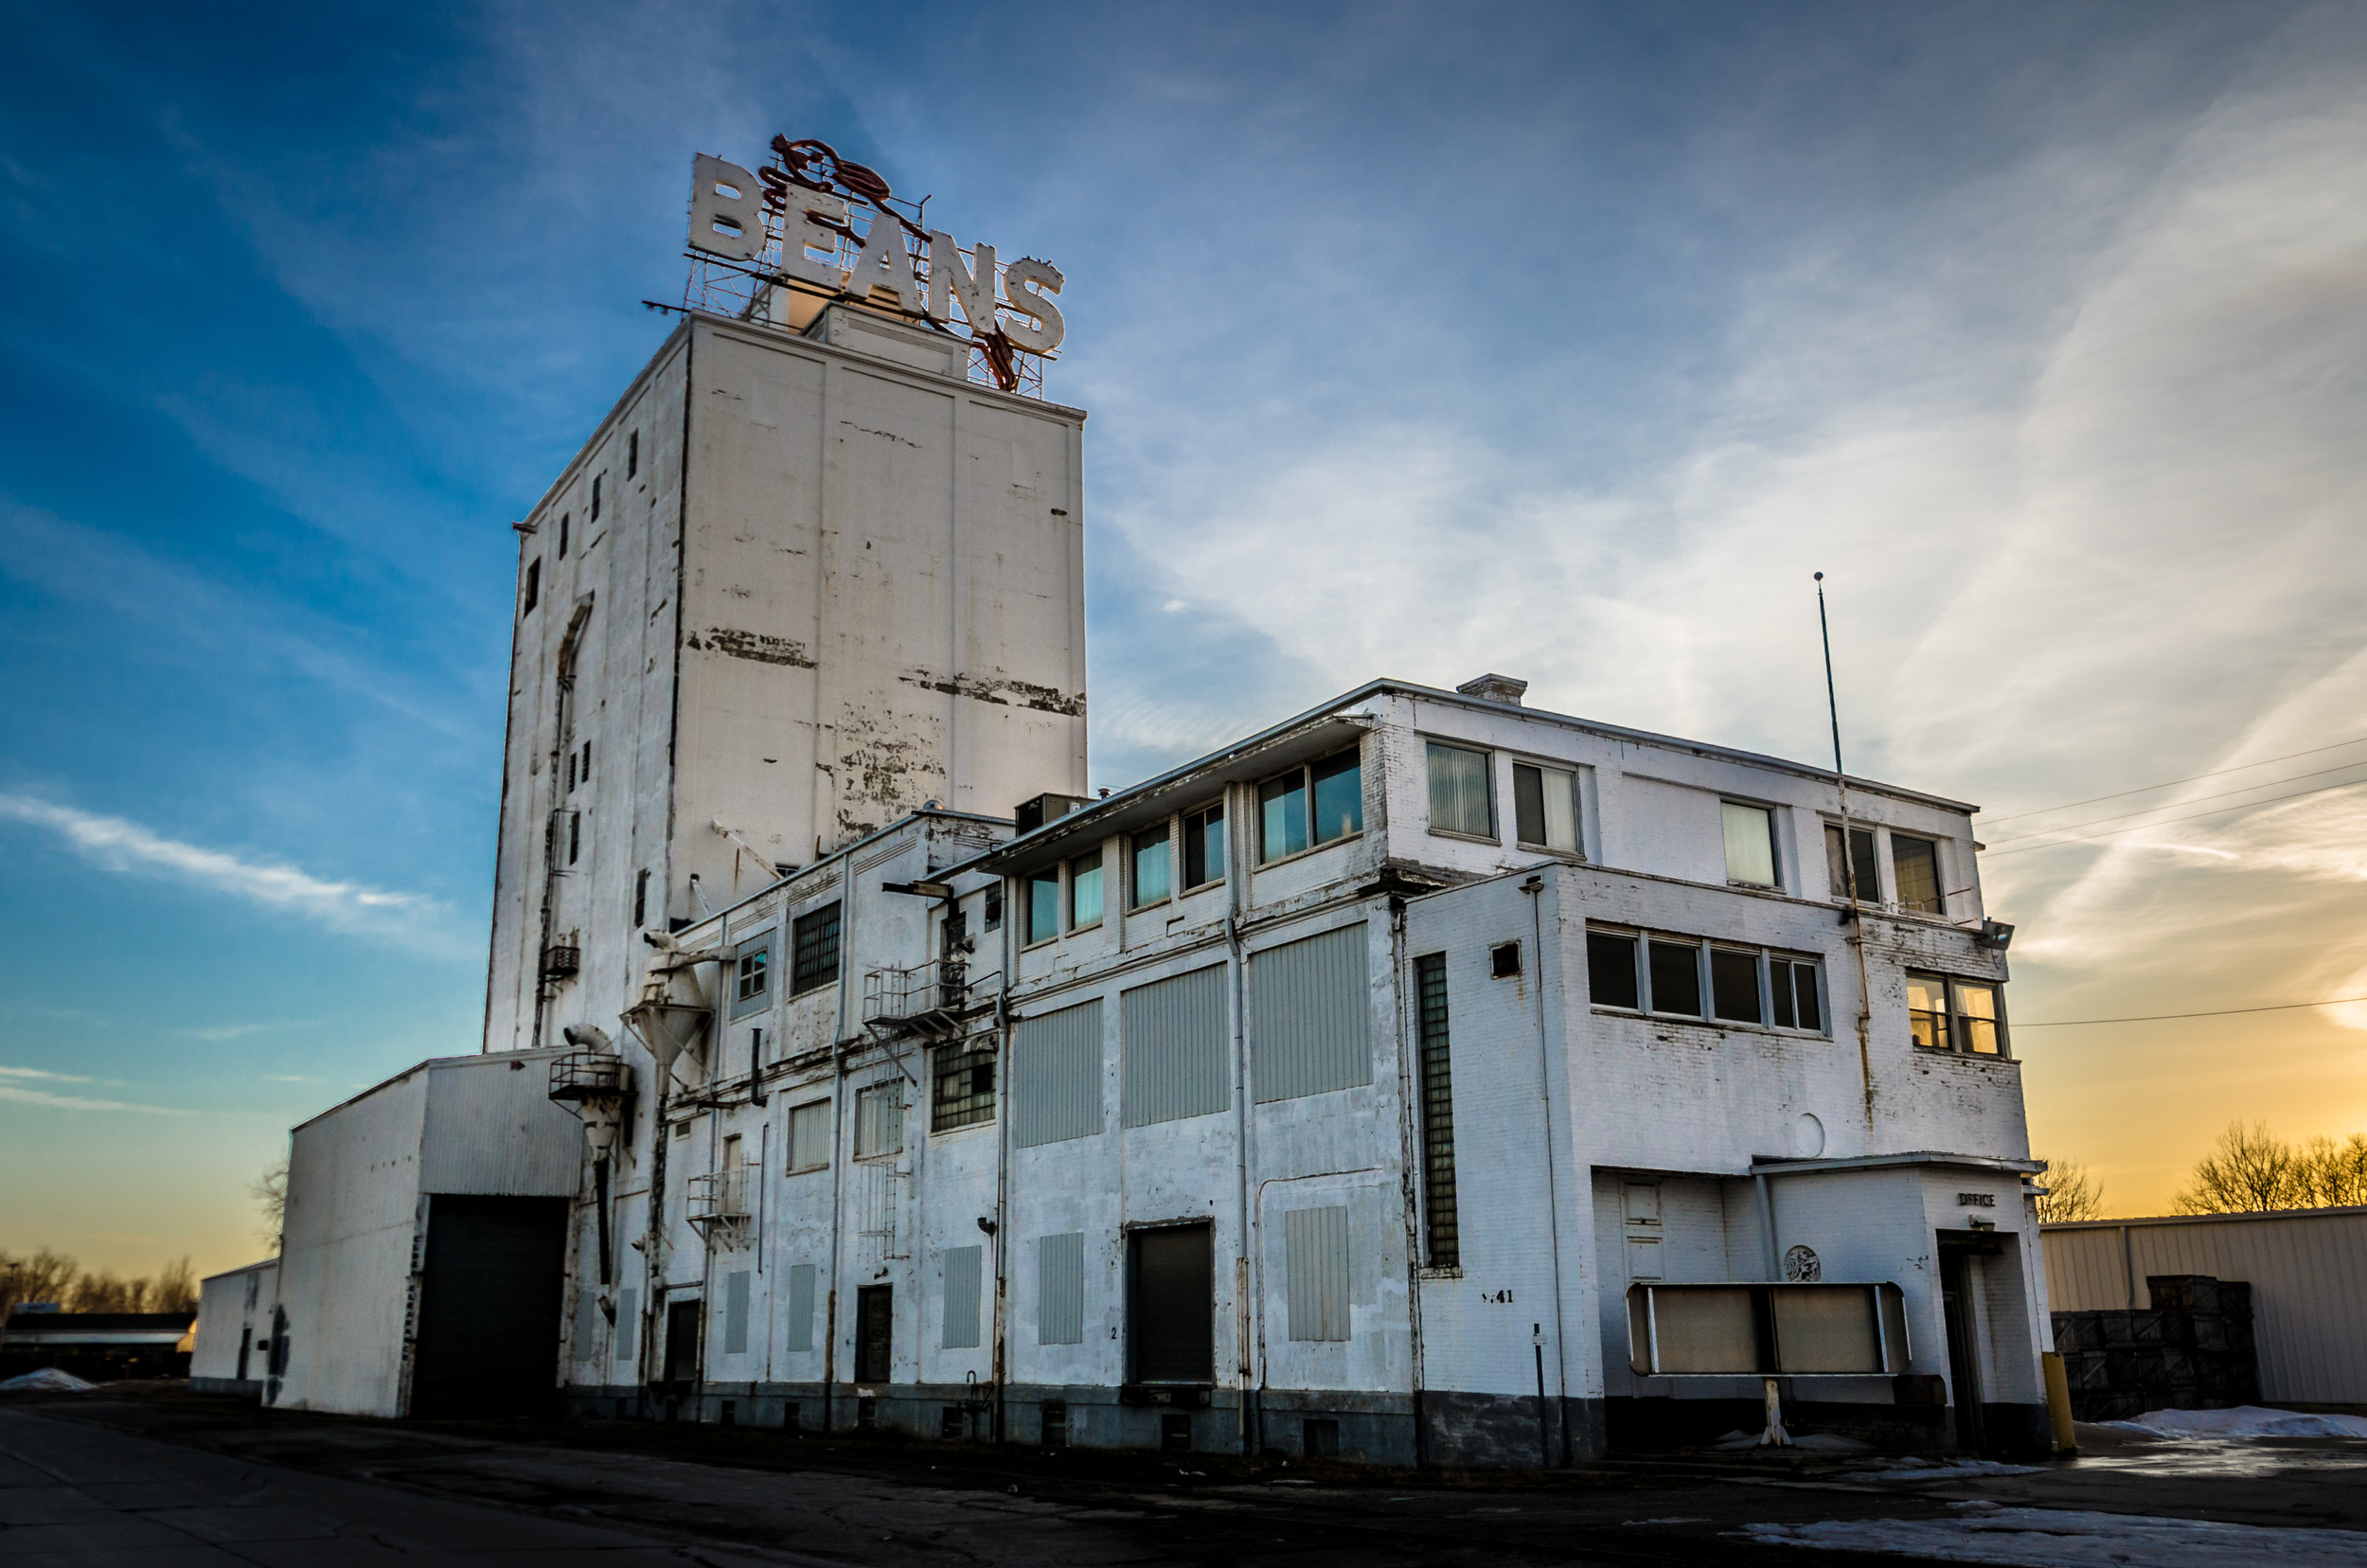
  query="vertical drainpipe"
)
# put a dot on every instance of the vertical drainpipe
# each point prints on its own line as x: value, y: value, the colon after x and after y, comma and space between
x: 838, y: 1139
x: 1248, y: 1275
x: 1409, y: 1139
x: 1001, y: 1238
x: 1535, y: 888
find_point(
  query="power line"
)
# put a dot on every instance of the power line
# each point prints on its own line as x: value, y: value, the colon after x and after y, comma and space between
x: 2042, y: 810
x: 2156, y: 1018
x: 2264, y: 784
x: 2137, y: 827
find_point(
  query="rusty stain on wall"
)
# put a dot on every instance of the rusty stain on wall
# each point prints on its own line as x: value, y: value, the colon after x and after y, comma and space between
x: 752, y: 645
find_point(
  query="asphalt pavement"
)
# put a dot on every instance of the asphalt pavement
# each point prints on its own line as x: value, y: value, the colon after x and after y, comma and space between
x: 153, y: 1477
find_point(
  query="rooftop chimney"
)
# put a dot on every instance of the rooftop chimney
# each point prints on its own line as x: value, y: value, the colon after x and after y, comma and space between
x: 1495, y: 689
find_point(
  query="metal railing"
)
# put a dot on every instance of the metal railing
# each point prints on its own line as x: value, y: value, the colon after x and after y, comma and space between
x: 934, y: 995
x: 589, y: 1074
x: 721, y: 1196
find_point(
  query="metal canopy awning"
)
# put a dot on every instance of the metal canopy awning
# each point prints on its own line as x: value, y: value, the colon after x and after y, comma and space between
x: 1147, y: 804
x: 1886, y: 1162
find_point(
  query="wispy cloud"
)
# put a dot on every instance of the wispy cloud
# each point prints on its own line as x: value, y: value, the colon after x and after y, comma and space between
x: 291, y: 1077
x: 74, y: 1102
x: 216, y: 1033
x: 126, y: 847
x: 38, y: 1073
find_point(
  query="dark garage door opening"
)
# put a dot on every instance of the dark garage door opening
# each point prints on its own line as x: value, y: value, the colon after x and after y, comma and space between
x: 1173, y: 1313
x: 489, y: 1306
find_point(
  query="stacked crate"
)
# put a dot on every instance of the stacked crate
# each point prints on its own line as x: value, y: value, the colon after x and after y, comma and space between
x: 2192, y: 1349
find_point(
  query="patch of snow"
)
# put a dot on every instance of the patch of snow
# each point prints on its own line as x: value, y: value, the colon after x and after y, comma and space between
x: 1824, y: 1442
x: 2243, y: 1421
x: 2048, y: 1537
x: 1924, y: 1470
x: 47, y: 1381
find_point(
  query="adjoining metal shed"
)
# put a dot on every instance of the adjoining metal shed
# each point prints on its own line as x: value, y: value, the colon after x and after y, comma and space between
x: 2308, y: 1269
x: 424, y: 1262
x: 234, y: 1329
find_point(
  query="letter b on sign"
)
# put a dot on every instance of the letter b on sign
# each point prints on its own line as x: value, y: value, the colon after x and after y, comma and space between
x: 726, y: 209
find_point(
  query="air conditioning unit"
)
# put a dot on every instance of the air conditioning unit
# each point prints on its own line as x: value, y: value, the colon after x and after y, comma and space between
x: 1032, y: 814
x: 560, y: 962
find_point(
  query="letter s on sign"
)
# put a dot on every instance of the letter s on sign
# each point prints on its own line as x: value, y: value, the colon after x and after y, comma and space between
x: 1021, y: 280
x: 728, y: 225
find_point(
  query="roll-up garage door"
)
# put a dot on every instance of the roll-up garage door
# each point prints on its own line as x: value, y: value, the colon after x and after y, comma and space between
x: 489, y: 1306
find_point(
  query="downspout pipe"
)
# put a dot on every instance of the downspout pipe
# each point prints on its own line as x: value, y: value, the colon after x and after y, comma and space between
x: 1535, y: 888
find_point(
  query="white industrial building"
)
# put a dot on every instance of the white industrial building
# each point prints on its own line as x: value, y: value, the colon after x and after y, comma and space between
x: 234, y: 1332
x: 1329, y: 1094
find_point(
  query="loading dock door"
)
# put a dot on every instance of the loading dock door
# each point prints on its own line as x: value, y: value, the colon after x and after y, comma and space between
x: 489, y: 1306
x: 683, y: 1319
x: 875, y: 1329
x: 1957, y: 1277
x: 1171, y: 1306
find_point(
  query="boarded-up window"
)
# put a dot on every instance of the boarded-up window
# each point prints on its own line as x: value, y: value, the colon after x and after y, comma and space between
x: 1061, y: 1288
x: 1056, y: 1076
x: 1315, y: 1248
x: 587, y: 1324
x: 962, y: 1268
x: 798, y: 1332
x: 736, y: 1313
x: 1310, y: 1015
x: 628, y: 1323
x: 1175, y: 1060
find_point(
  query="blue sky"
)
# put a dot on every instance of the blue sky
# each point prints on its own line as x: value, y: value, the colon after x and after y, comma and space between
x: 1565, y: 340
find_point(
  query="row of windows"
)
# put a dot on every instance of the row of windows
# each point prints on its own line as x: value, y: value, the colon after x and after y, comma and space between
x: 813, y: 961
x: 1914, y: 869
x: 1306, y: 808
x: 1673, y: 976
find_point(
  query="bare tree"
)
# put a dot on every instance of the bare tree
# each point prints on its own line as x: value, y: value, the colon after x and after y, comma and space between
x: 42, y: 1275
x: 2250, y: 1171
x: 2072, y: 1193
x: 177, y: 1287
x: 2335, y: 1174
x: 271, y: 1196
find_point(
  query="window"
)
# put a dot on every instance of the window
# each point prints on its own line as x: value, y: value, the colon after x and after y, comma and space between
x: 584, y: 772
x: 994, y: 918
x: 570, y: 774
x: 1504, y: 961
x: 1084, y: 891
x: 632, y: 454
x: 1735, y: 986
x: 575, y: 835
x: 752, y: 976
x: 1442, y: 1240
x: 1545, y: 808
x: 963, y: 1095
x: 1610, y: 971
x: 809, y: 1136
x: 1860, y: 868
x: 879, y: 1119
x: 1955, y: 1015
x: 1792, y: 991
x: 1676, y: 975
x: 534, y: 586
x: 1154, y: 880
x: 1458, y: 791
x: 1750, y: 844
x: 1311, y: 806
x: 1745, y: 984
x: 814, y: 954
x: 1203, y: 847
x: 1044, y: 906
x: 564, y: 521
x: 640, y: 899
x: 1915, y: 869
x: 597, y: 480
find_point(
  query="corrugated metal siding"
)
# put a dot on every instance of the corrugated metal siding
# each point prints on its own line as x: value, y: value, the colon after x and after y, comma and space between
x: 2307, y: 1271
x: 492, y: 1131
x: 1061, y: 1288
x: 798, y: 1330
x: 628, y: 1324
x: 961, y: 1297
x: 1315, y: 1256
x: 1056, y: 1076
x: 736, y: 1312
x: 1175, y: 1036
x: 1310, y: 1015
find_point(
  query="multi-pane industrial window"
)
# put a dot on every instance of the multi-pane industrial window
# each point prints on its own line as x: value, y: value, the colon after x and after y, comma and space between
x: 1955, y: 1015
x: 1084, y: 891
x: 963, y: 1095
x: 1441, y: 1238
x: 1915, y: 866
x: 1311, y: 806
x: 879, y: 1119
x: 1749, y: 844
x: 1459, y: 796
x: 750, y: 976
x: 1545, y: 808
x: 1860, y: 868
x: 1671, y: 976
x: 534, y: 586
x: 809, y: 1136
x: 1203, y: 847
x: 1153, y: 878
x: 815, y: 953
x: 1044, y: 906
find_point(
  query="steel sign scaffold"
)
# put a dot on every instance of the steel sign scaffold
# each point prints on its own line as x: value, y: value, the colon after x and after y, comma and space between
x: 811, y: 228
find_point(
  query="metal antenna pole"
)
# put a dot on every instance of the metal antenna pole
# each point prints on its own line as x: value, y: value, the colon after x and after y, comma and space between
x: 1849, y: 867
